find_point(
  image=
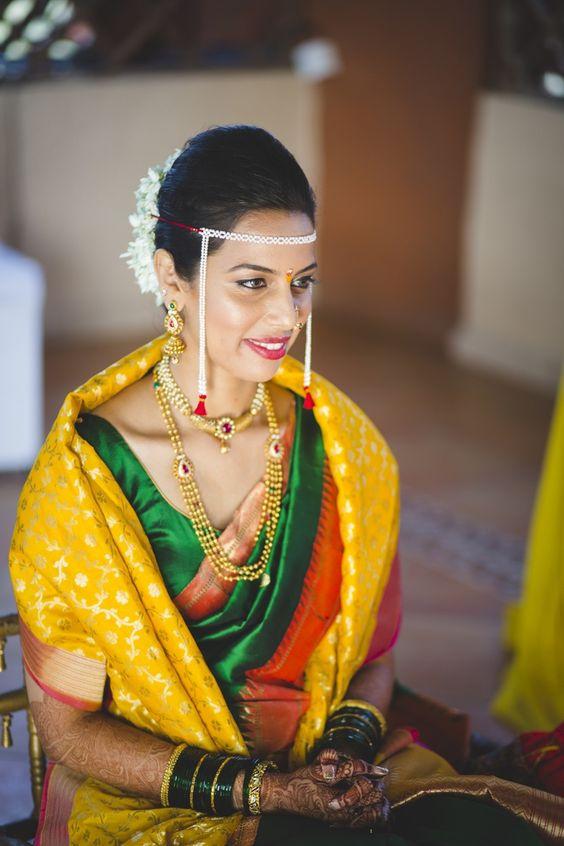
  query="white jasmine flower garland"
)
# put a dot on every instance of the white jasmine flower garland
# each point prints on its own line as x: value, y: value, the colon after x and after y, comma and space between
x: 140, y: 251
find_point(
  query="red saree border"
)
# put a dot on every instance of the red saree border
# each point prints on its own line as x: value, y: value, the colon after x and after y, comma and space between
x: 389, y: 618
x: 59, y: 789
x: 272, y: 702
x: 70, y: 678
x: 319, y: 600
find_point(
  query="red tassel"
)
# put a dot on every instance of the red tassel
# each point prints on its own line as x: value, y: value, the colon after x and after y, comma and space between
x: 308, y: 401
x: 201, y: 407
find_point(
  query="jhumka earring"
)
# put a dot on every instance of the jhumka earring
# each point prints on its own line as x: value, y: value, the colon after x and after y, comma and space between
x: 174, y: 324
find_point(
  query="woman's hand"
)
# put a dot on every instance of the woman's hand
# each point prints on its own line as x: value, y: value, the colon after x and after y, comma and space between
x: 335, y: 788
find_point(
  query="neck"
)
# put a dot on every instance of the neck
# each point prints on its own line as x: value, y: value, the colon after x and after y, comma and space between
x: 227, y: 395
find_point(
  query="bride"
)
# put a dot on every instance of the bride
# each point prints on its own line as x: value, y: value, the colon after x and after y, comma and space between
x: 205, y: 559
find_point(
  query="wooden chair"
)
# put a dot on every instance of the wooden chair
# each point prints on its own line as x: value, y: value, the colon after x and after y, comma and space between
x: 10, y: 702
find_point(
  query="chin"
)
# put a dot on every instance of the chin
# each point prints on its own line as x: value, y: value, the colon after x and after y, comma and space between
x: 264, y: 372
x: 258, y: 369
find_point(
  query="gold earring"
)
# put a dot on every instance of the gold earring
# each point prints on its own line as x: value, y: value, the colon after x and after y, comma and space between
x: 174, y: 324
x: 299, y: 324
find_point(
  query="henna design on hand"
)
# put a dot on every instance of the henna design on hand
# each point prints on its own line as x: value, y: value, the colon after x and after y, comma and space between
x: 332, y: 766
x: 350, y: 791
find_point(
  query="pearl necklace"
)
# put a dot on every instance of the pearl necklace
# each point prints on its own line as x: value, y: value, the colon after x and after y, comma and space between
x: 183, y: 470
x: 222, y: 428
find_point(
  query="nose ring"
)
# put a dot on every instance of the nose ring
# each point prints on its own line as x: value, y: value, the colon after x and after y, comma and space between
x: 299, y: 324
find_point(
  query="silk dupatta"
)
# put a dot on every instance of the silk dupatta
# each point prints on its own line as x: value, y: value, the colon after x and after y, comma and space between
x: 77, y: 543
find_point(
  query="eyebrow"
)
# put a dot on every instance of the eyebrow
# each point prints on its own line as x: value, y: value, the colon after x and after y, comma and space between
x: 267, y: 269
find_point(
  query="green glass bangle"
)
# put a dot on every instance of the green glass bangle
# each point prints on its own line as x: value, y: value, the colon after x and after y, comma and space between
x: 361, y: 714
x: 191, y: 792
x: 196, y: 773
x: 219, y: 790
x: 222, y: 789
x: 353, y: 720
x: 333, y: 742
x: 222, y: 785
x: 203, y: 780
x: 182, y: 775
x: 362, y: 736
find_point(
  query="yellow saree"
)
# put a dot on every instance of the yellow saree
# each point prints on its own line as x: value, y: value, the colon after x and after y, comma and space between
x: 78, y: 544
x: 532, y: 694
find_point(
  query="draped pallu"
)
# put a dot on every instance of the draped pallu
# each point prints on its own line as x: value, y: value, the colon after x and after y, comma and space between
x: 91, y: 596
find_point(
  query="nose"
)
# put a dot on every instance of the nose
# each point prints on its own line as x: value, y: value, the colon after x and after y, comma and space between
x: 282, y: 307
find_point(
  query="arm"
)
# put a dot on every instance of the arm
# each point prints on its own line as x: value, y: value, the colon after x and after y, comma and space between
x: 98, y: 745
x: 101, y: 746
x: 374, y: 682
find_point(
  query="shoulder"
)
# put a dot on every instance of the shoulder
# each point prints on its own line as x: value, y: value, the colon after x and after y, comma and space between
x: 133, y: 410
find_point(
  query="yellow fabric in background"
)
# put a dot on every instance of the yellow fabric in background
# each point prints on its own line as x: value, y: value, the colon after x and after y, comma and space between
x: 532, y: 694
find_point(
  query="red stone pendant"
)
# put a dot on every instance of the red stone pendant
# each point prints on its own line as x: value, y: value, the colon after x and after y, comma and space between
x: 183, y: 467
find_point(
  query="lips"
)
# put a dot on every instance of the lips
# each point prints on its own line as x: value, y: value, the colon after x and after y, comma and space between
x: 281, y: 339
x: 272, y: 348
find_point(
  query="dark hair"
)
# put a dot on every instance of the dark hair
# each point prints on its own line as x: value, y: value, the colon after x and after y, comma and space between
x: 222, y: 174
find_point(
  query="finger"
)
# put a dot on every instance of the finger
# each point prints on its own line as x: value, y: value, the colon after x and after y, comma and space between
x: 362, y: 791
x: 324, y: 767
x: 374, y: 815
x: 394, y: 742
x: 352, y: 767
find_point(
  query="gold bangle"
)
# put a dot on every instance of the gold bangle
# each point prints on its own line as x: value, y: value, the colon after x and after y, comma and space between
x: 214, y: 782
x: 367, y: 706
x: 255, y: 782
x: 193, y: 782
x: 165, y: 784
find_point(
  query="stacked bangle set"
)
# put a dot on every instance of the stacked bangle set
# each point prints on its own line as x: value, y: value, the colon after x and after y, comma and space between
x: 203, y: 781
x: 356, y: 723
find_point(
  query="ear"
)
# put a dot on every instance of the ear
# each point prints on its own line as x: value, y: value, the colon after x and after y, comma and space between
x: 168, y: 277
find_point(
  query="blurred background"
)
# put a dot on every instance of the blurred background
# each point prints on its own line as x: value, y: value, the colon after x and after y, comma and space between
x: 433, y: 133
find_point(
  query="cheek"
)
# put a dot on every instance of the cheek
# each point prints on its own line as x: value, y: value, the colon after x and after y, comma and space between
x: 229, y: 322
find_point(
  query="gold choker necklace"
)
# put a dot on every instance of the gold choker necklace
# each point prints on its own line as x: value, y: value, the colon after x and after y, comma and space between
x: 222, y: 428
x: 183, y: 470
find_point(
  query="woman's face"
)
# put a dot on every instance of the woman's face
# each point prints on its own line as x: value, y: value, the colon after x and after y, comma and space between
x: 254, y: 293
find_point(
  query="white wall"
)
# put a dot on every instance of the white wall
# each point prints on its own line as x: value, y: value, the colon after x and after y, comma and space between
x: 82, y: 146
x: 513, y: 280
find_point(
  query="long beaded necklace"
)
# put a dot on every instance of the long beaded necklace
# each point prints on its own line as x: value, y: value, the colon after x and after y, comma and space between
x: 183, y: 470
x: 222, y: 428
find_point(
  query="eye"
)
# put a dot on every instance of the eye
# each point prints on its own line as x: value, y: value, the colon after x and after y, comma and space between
x: 246, y: 283
x: 308, y: 280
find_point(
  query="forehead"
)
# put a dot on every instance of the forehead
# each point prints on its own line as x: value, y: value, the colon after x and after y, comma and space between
x: 275, y: 256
